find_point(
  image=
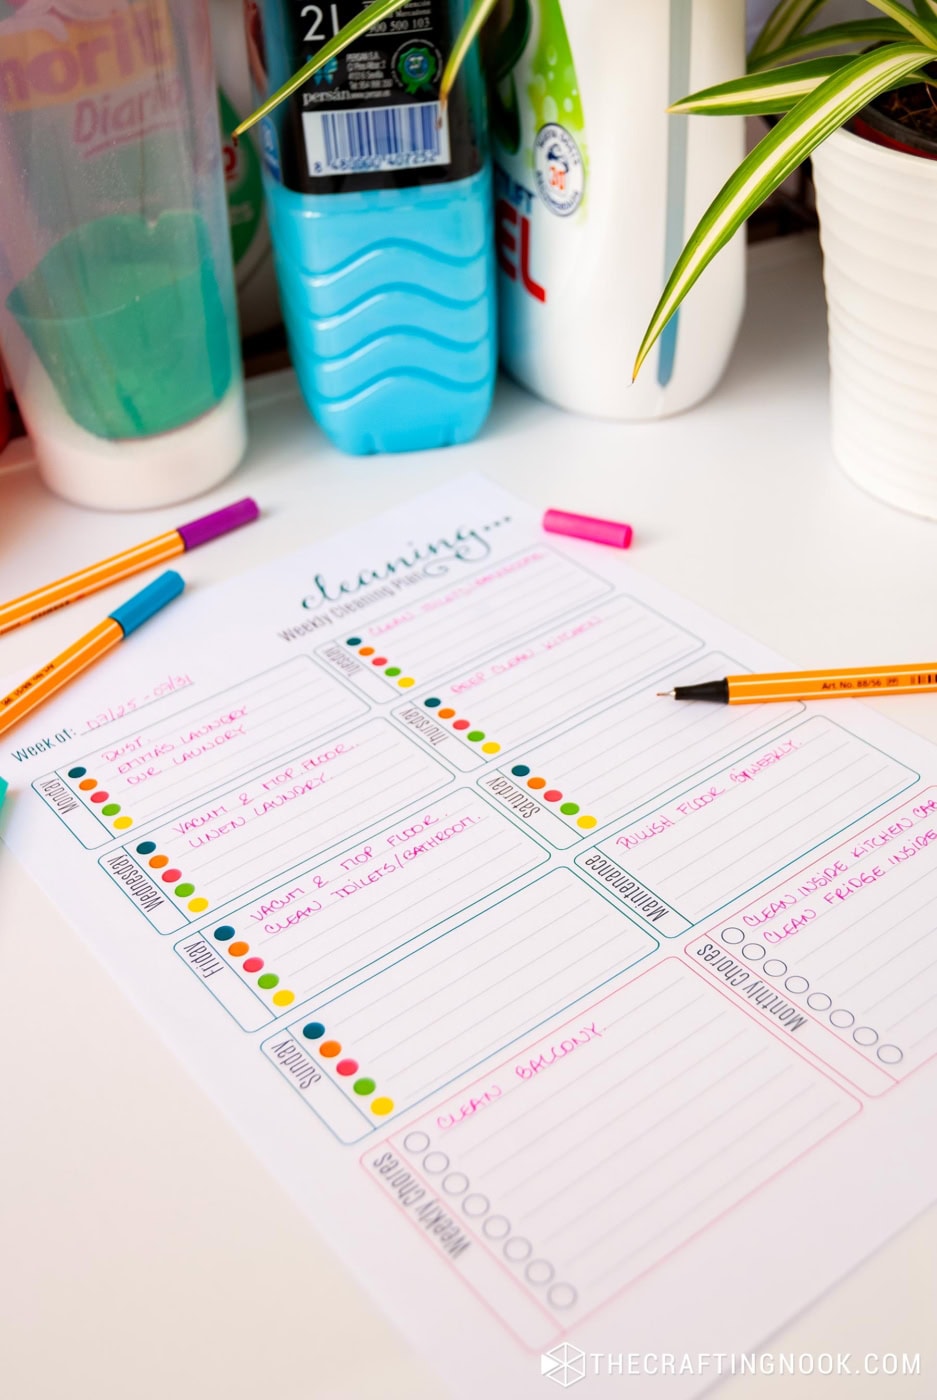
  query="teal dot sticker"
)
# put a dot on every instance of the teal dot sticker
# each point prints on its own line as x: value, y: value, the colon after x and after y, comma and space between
x: 432, y: 703
x: 77, y: 772
x: 520, y: 770
x: 314, y: 1030
x: 146, y: 848
x: 354, y: 641
x: 224, y: 933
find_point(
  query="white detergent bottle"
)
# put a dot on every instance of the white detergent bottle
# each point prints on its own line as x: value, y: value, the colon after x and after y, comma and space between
x: 597, y: 188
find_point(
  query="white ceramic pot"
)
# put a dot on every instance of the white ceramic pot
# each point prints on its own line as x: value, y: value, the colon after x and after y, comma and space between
x: 878, y: 228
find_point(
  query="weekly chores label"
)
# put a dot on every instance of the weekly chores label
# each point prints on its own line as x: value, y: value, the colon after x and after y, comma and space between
x: 559, y: 1006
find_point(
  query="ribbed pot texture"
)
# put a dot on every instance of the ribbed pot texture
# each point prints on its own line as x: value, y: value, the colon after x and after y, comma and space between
x: 878, y: 228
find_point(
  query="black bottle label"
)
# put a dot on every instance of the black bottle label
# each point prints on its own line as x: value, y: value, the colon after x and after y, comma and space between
x: 370, y: 119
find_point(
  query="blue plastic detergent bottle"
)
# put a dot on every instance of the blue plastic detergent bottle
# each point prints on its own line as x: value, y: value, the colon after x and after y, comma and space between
x: 380, y: 216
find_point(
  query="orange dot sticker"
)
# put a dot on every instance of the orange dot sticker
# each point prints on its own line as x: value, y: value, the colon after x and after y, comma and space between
x: 330, y: 1048
x: 88, y: 784
x: 536, y: 783
x: 237, y: 950
x: 157, y: 862
x: 446, y: 713
x: 365, y: 651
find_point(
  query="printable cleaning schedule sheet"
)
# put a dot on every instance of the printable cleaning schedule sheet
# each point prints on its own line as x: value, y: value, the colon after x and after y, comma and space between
x: 569, y: 1013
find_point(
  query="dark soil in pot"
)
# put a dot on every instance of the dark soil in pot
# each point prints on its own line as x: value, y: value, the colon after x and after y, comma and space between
x: 905, y: 120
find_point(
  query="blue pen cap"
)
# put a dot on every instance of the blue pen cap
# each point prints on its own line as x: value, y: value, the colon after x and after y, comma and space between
x: 141, y: 607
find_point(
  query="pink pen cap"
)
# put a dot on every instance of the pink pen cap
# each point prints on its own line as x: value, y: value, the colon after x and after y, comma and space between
x: 220, y: 522
x: 588, y: 527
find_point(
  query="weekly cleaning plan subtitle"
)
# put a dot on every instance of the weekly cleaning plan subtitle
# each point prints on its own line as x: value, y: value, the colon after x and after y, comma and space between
x: 568, y: 1013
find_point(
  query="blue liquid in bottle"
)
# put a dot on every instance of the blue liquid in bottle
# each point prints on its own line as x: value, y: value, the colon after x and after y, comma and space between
x: 380, y: 215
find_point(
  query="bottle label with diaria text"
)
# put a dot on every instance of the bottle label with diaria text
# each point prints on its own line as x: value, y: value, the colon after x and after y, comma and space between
x: 371, y: 119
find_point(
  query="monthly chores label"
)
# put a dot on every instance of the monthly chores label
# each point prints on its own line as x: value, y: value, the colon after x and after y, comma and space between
x: 541, y: 992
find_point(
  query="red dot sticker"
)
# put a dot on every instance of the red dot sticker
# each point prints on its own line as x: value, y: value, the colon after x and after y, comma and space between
x: 171, y: 876
x: 552, y: 795
x: 253, y: 964
x: 99, y: 797
x: 347, y: 1067
x: 379, y: 661
x: 460, y: 724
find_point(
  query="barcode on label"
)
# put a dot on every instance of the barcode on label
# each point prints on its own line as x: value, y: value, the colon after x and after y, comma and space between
x: 376, y: 138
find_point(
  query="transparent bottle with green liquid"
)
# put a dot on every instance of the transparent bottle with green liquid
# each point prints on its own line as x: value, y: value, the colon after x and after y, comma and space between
x: 596, y: 188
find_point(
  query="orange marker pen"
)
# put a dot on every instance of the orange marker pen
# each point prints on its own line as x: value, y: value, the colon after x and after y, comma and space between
x: 857, y: 684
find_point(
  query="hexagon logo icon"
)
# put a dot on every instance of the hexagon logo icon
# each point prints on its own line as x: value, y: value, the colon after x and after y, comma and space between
x: 564, y: 1364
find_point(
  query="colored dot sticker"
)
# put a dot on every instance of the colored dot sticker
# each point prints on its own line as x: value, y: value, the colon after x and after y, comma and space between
x: 267, y: 982
x: 283, y: 998
x: 122, y: 823
x: 330, y: 1048
x: 100, y: 796
x: 587, y: 823
x: 183, y: 891
x: 354, y: 641
x: 158, y: 862
x: 110, y: 810
x: 379, y: 661
x: 536, y: 783
x: 365, y: 651
x: 552, y: 795
x: 460, y: 724
x: 77, y: 772
x: 364, y: 1087
x: 491, y: 747
x: 88, y: 784
x: 447, y: 713
x: 197, y: 905
x: 520, y: 770
x: 392, y: 671
x: 253, y: 965
x: 475, y: 736
x: 224, y: 933
x: 405, y: 682
x: 382, y: 1106
x: 313, y: 1030
x: 146, y: 848
x: 569, y: 809
x: 433, y: 703
x: 238, y: 949
x: 347, y: 1067
x: 171, y: 876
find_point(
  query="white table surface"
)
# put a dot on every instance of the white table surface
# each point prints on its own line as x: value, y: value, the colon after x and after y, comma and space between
x: 144, y: 1252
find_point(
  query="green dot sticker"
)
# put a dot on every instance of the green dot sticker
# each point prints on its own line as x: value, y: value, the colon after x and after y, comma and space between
x: 184, y: 890
x: 364, y: 1087
x: 392, y: 671
x: 569, y: 809
x: 268, y: 981
x: 110, y: 810
x: 475, y: 736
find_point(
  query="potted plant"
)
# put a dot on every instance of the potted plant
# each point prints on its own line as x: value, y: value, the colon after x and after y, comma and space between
x: 869, y: 119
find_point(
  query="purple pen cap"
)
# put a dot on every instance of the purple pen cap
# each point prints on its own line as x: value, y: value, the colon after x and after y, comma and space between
x: 220, y: 522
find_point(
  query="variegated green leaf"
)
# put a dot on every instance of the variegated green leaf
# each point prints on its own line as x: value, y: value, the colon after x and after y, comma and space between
x: 367, y: 19
x: 760, y: 94
x: 924, y: 30
x: 785, y: 21
x: 927, y: 9
x: 474, y: 22
x: 815, y: 117
x: 858, y: 31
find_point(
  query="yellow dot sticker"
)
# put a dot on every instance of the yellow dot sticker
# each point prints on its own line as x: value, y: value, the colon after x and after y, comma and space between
x: 198, y: 905
x: 587, y: 823
x: 382, y: 1106
x: 283, y: 998
x: 405, y: 682
x: 121, y: 823
x: 491, y: 747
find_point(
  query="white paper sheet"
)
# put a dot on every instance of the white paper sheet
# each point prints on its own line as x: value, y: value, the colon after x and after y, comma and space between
x: 570, y: 1015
